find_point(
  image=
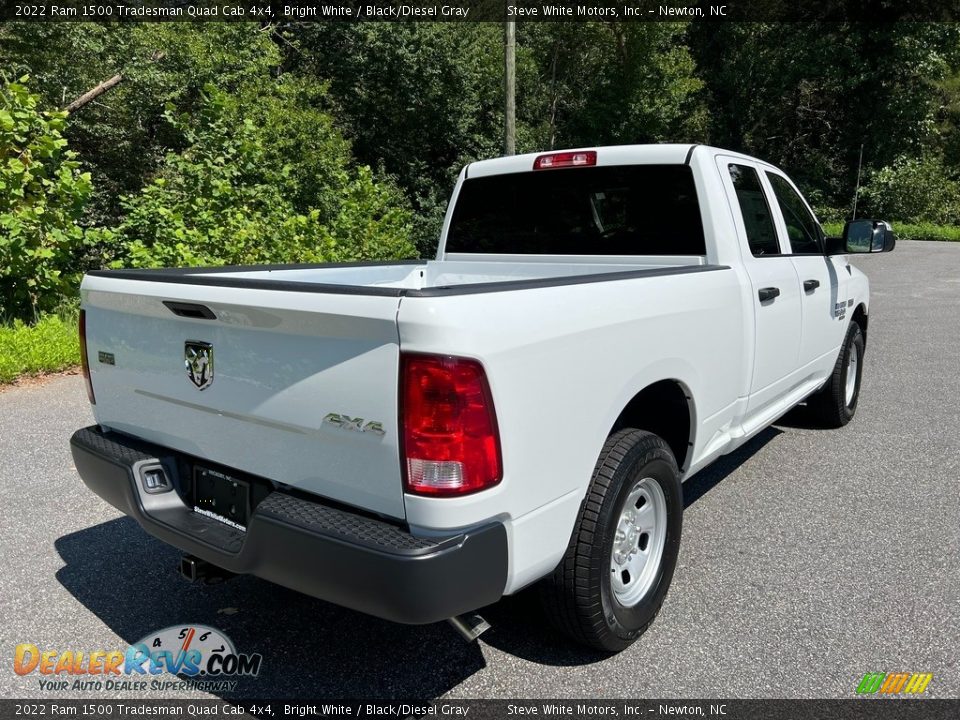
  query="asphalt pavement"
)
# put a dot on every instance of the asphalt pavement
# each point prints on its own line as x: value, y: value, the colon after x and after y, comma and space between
x: 809, y: 557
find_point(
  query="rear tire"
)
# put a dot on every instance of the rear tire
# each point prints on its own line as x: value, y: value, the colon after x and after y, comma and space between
x: 618, y: 566
x: 836, y: 403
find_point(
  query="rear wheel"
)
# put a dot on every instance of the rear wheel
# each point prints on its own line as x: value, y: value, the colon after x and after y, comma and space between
x: 836, y: 404
x: 618, y: 566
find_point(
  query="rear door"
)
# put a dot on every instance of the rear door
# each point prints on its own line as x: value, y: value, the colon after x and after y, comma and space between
x: 774, y: 283
x: 297, y: 387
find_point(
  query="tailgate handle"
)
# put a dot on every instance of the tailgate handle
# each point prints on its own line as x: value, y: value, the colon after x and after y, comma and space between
x: 190, y: 310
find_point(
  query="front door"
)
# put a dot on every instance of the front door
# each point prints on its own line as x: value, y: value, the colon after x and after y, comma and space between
x: 775, y: 287
x: 822, y: 278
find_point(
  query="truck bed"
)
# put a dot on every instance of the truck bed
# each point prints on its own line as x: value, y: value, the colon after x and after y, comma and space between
x: 293, y: 345
x: 416, y: 277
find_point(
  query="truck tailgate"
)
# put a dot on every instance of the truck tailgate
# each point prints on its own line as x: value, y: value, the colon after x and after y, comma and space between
x: 282, y: 362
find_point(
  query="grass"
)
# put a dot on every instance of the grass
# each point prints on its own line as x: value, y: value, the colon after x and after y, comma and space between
x: 909, y: 231
x: 49, y: 345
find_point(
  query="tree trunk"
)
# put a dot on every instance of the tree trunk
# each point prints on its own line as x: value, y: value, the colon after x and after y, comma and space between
x: 107, y: 85
x: 93, y: 94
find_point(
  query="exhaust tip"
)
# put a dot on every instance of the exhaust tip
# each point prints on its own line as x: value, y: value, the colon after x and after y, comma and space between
x: 470, y: 626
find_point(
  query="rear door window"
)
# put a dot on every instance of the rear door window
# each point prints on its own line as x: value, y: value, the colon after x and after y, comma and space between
x: 757, y: 220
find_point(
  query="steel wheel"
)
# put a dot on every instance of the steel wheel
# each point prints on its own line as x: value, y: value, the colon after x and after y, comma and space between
x: 852, y: 367
x: 630, y: 521
x: 836, y: 403
x: 638, y: 542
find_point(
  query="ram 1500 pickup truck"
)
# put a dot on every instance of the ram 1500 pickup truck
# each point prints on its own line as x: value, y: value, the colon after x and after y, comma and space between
x: 417, y: 439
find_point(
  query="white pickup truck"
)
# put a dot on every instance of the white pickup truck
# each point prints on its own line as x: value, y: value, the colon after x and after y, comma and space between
x: 416, y: 439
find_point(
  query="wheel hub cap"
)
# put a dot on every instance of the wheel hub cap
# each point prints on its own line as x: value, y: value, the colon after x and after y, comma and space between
x: 638, y: 542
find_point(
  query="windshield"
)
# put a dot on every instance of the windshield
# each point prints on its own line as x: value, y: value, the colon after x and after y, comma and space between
x: 620, y: 210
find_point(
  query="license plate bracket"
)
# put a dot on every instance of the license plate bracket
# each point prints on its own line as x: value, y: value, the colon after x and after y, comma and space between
x: 225, y: 497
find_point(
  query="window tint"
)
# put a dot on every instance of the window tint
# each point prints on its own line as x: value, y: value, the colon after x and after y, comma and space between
x: 761, y: 234
x: 620, y: 210
x: 802, y: 228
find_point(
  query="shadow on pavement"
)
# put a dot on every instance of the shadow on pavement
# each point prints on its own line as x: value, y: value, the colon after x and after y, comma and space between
x: 310, y: 648
x: 518, y: 627
x: 801, y: 417
x: 715, y: 473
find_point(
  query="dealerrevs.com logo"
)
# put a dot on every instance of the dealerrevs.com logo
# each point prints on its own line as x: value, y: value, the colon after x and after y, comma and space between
x: 894, y: 683
x: 203, y: 657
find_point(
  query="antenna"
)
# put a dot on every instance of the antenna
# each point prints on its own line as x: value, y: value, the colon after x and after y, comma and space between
x: 856, y: 190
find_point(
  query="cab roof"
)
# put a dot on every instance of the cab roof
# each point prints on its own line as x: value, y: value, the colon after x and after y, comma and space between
x: 652, y: 154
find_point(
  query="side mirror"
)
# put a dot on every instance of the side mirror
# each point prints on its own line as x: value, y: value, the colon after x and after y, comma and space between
x: 866, y: 236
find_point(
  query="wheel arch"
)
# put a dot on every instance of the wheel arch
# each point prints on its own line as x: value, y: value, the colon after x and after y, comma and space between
x: 664, y: 408
x: 860, y: 317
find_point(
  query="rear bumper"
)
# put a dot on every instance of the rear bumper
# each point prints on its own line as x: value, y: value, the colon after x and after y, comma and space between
x: 349, y: 559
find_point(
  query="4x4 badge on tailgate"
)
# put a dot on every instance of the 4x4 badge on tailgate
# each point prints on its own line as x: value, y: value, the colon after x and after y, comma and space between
x: 356, y: 424
x: 198, y: 359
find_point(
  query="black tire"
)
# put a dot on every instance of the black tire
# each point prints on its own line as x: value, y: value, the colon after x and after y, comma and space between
x: 829, y: 406
x: 579, y: 597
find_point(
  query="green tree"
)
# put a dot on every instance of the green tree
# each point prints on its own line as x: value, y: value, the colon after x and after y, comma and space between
x: 913, y: 190
x: 948, y: 125
x: 229, y: 199
x: 610, y: 83
x: 807, y: 96
x: 123, y: 134
x: 42, y: 192
x: 419, y: 100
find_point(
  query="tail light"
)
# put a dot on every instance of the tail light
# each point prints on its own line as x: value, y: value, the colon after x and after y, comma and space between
x: 586, y: 158
x: 450, y: 441
x: 85, y: 363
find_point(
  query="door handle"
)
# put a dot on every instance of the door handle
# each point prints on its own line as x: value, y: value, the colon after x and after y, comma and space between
x: 768, y: 293
x: 810, y: 285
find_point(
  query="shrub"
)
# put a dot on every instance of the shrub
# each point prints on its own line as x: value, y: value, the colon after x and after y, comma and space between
x: 909, y: 231
x: 915, y: 190
x: 42, y: 192
x: 228, y: 199
x: 927, y: 231
x: 830, y: 215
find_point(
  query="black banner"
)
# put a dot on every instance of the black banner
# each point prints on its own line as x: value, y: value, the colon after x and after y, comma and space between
x: 852, y: 709
x: 478, y: 10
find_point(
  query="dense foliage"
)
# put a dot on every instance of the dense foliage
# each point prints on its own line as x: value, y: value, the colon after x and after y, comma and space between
x: 239, y: 142
x: 228, y: 199
x: 808, y: 97
x: 42, y: 191
x: 915, y: 190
